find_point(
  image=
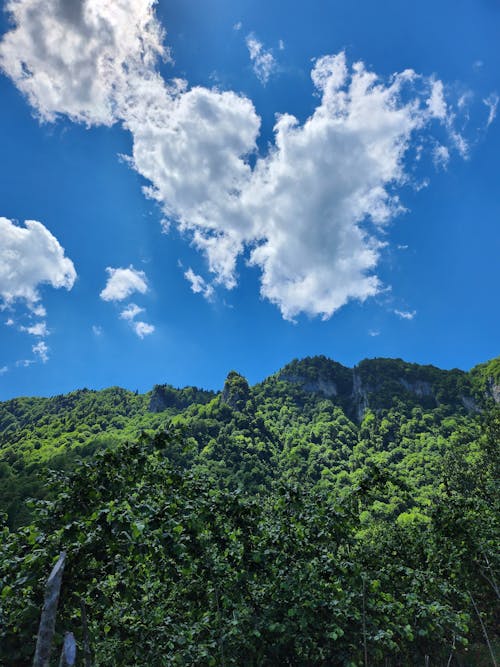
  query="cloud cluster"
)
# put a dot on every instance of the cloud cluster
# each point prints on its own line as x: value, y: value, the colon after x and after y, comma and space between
x: 302, y: 211
x: 140, y: 328
x: 308, y: 214
x: 31, y: 257
x: 121, y: 284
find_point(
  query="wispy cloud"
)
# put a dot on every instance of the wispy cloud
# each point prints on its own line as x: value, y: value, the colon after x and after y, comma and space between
x: 130, y: 312
x: 405, y: 314
x: 41, y: 351
x: 263, y: 62
x: 38, y: 329
x: 140, y: 328
x: 199, y: 284
x: 492, y: 103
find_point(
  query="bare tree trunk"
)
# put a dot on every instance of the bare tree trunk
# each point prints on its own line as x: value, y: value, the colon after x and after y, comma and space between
x: 483, y: 628
x: 49, y: 613
x: 87, y: 654
x: 452, y: 652
x: 68, y: 653
x: 364, y: 624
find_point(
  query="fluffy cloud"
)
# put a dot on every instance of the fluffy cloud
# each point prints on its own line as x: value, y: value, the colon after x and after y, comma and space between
x: 263, y: 61
x: 76, y: 57
x: 192, y: 147
x: 31, y: 256
x: 142, y: 328
x: 301, y: 210
x: 309, y: 213
x: 122, y: 283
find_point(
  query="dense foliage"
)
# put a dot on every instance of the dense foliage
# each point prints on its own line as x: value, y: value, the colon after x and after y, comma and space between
x: 327, y: 516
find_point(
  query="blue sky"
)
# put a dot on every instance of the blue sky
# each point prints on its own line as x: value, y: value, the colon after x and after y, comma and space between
x: 226, y: 185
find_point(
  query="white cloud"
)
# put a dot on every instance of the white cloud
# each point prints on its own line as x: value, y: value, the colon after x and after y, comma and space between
x: 441, y: 156
x: 76, y: 57
x: 10, y: 322
x: 39, y: 310
x: 301, y: 209
x: 41, y: 350
x: 281, y: 45
x: 436, y: 102
x: 97, y: 330
x: 123, y: 282
x: 130, y: 312
x: 238, y: 26
x: 4, y: 370
x: 192, y: 147
x: 373, y: 333
x: 38, y: 329
x: 492, y: 103
x: 31, y: 256
x: 405, y: 314
x: 199, y: 284
x: 263, y: 61
x: 24, y: 363
x: 143, y: 329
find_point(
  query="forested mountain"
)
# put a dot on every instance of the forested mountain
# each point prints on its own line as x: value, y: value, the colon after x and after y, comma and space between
x: 326, y: 516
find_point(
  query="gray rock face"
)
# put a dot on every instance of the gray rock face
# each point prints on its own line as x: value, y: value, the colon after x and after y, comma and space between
x: 469, y: 404
x: 236, y: 391
x: 419, y: 388
x: 159, y: 400
x: 494, y: 390
x: 320, y: 386
x: 360, y: 396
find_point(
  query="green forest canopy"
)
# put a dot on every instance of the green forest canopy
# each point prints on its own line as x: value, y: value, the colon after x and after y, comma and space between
x: 324, y: 515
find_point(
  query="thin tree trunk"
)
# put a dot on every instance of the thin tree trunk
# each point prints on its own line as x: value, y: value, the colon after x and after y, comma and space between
x: 87, y: 653
x: 68, y: 653
x: 483, y: 627
x: 49, y: 613
x: 452, y: 651
x: 364, y: 623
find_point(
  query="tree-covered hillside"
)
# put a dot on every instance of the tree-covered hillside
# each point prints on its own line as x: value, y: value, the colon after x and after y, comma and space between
x: 326, y: 516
